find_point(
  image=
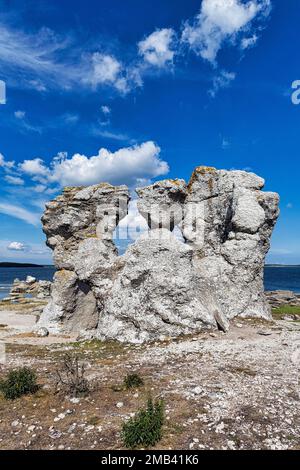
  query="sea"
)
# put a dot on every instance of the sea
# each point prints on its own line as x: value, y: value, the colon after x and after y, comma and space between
x: 8, y: 275
x: 276, y: 277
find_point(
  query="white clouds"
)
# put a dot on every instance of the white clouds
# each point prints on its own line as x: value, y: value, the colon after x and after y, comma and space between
x: 128, y: 165
x: 225, y: 144
x: 45, y: 61
x: 34, y: 167
x: 19, y: 213
x: 36, y: 61
x: 15, y: 180
x: 16, y: 246
x: 157, y: 49
x: 125, y: 166
x: 24, y: 124
x: 110, y: 135
x: 222, y: 80
x: 33, y: 252
x: 106, y: 69
x: 2, y: 160
x: 7, y: 165
x: 70, y: 118
x: 19, y: 114
x: 37, y: 85
x: 246, y: 43
x: 221, y: 21
x: 105, y: 110
x: 30, y: 57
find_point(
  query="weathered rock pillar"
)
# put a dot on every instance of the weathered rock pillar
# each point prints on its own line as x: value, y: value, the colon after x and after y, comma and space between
x: 161, y: 287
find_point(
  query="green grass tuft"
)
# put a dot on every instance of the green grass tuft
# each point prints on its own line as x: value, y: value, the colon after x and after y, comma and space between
x: 19, y: 382
x: 145, y: 428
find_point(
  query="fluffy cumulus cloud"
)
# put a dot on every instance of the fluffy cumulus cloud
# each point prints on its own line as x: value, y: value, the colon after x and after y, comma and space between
x: 128, y: 165
x: 125, y: 166
x: 34, y: 167
x: 158, y: 49
x: 107, y: 70
x: 221, y: 21
x: 16, y: 246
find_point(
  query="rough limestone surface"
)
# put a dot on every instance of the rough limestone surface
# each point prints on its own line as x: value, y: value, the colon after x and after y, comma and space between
x: 161, y: 287
x: 72, y: 306
x: 162, y: 203
x: 149, y: 301
x: 71, y: 221
x: 234, y: 221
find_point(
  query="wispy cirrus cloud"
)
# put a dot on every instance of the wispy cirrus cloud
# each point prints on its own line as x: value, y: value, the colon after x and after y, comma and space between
x: 45, y: 60
x: 20, y: 213
x: 221, y: 80
x: 14, y: 180
x: 109, y: 134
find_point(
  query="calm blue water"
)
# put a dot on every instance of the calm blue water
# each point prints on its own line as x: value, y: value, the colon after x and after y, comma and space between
x: 282, y: 278
x: 276, y: 278
x: 8, y: 275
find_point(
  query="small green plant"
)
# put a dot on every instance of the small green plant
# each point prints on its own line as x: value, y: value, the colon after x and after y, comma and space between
x: 145, y: 428
x: 19, y: 382
x: 133, y: 381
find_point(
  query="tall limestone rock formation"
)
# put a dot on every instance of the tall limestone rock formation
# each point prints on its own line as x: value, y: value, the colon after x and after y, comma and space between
x: 161, y: 287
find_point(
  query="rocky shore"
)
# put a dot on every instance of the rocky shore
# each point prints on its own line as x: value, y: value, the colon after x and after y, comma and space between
x: 281, y: 298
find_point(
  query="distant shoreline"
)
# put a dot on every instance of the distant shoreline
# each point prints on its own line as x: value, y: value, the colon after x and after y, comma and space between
x: 8, y: 264
x: 24, y: 265
x: 282, y: 265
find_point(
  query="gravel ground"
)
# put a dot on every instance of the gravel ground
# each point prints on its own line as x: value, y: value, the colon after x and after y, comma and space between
x: 222, y: 391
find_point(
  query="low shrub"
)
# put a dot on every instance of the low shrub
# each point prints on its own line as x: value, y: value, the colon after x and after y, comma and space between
x: 133, y: 381
x: 145, y: 428
x: 19, y: 382
x: 71, y: 377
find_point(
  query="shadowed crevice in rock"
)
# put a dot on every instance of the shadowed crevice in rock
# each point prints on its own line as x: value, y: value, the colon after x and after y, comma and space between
x: 161, y: 287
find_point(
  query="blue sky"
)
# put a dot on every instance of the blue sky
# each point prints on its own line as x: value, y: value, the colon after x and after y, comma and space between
x: 160, y: 87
